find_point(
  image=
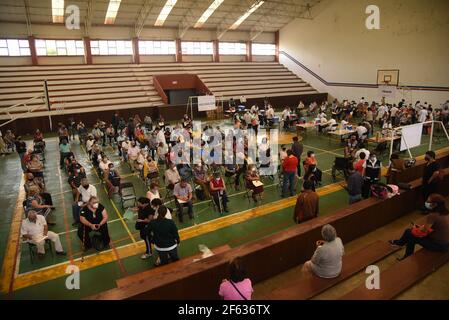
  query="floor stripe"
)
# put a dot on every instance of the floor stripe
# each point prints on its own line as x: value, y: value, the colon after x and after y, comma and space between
x: 10, y: 262
x: 97, y: 259
x: 66, y: 220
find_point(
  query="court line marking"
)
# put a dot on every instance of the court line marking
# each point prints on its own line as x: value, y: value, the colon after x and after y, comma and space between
x: 90, y: 261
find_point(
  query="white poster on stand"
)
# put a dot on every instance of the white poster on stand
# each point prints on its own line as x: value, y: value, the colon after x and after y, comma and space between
x: 386, y: 91
x: 206, y: 103
x: 411, y: 136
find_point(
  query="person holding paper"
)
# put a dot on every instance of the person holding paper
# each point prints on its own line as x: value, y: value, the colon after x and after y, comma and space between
x: 183, y: 198
x: 253, y: 182
x: 34, y: 229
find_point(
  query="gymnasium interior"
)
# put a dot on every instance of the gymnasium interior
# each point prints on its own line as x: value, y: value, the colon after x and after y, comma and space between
x: 119, y: 78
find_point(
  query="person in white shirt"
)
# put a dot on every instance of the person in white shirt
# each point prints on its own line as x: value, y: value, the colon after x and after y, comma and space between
x: 172, y: 176
x: 160, y: 137
x: 242, y: 100
x: 89, y: 143
x: 104, y: 164
x: 125, y: 148
x: 285, y: 117
x: 422, y: 115
x: 270, y: 115
x: 153, y: 192
x: 85, y: 191
x: 362, y: 131
x: 156, y: 204
x: 331, y: 125
x: 344, y: 123
x: 358, y: 152
x: 393, y: 113
x: 254, y: 109
x: 34, y: 229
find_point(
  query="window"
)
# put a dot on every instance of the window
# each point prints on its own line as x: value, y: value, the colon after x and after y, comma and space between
x: 14, y: 47
x: 59, y: 47
x: 263, y: 49
x: 111, y: 47
x: 196, y: 47
x: 232, y: 48
x: 157, y: 47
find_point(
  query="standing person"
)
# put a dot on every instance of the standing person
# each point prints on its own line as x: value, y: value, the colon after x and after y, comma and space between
x: 145, y: 213
x: 297, y: 149
x: 430, y: 175
x: 64, y: 151
x: 238, y: 286
x: 183, y: 197
x: 21, y: 148
x: 327, y: 259
x: 355, y: 184
x: 93, y: 217
x: 307, y: 204
x: 433, y: 235
x: 115, y: 121
x: 371, y: 174
x: 289, y: 168
x: 164, y: 236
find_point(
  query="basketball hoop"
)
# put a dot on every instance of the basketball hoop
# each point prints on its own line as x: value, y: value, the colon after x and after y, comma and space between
x: 58, y: 105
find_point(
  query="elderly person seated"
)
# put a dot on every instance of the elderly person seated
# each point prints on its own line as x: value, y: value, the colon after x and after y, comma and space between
x: 150, y: 170
x: 433, y: 235
x: 183, y: 198
x: 218, y: 190
x: 34, y: 230
x: 201, y: 178
x: 172, y: 176
x: 253, y: 183
x: 112, y: 179
x: 35, y: 166
x: 34, y: 202
x: 36, y: 183
x: 104, y: 164
x: 326, y: 262
x: 93, y: 218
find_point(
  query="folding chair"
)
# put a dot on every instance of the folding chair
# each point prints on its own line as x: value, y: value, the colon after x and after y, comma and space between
x: 32, y: 248
x: 127, y: 193
x: 341, y: 165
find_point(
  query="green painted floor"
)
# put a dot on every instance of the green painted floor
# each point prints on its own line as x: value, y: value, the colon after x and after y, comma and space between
x: 103, y: 277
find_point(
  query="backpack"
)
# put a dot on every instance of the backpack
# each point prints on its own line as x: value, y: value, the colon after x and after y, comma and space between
x: 379, y: 190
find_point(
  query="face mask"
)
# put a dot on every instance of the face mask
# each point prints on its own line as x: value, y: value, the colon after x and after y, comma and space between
x: 312, y: 155
x: 95, y: 205
x: 428, y: 205
x: 30, y: 179
x: 86, y: 187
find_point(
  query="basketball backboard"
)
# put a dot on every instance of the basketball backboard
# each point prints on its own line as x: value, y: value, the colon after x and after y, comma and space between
x: 388, y: 77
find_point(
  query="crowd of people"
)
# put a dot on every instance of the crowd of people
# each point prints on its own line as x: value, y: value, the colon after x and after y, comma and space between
x: 153, y: 150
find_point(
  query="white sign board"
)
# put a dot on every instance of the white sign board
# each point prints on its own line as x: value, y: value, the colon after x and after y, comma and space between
x: 386, y: 91
x: 206, y: 103
x: 411, y: 136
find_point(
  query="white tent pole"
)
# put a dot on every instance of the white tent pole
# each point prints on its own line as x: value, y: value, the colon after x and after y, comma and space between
x: 431, y: 136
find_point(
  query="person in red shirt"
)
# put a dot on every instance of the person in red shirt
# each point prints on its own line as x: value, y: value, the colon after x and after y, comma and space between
x: 289, y: 168
x: 358, y: 165
x: 218, y: 192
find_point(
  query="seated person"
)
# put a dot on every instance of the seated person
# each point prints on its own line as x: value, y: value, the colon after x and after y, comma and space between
x: 112, y: 179
x: 326, y: 262
x: 38, y: 185
x: 183, y: 198
x: 34, y: 230
x: 314, y: 175
x: 252, y: 179
x: 93, y: 217
x: 150, y: 169
x: 362, y: 132
x: 238, y: 286
x: 35, y: 202
x: 200, y: 178
x: 153, y: 192
x: 351, y: 146
x: 233, y: 171
x: 433, y: 235
x: 35, y: 166
x: 156, y: 204
x: 74, y: 181
x: 84, y: 193
x: 331, y: 125
x: 185, y: 172
x: 171, y: 176
x: 218, y: 192
x: 75, y: 166
x: 104, y: 164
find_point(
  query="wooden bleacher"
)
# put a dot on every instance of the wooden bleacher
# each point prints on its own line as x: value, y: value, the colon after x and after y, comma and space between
x: 401, y: 276
x: 90, y: 88
x: 180, y: 264
x: 353, y: 262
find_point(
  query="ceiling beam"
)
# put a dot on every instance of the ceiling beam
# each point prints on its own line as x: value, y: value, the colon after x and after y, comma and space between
x: 142, y: 16
x: 88, y: 18
x: 27, y: 17
x: 189, y: 19
x: 226, y: 22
